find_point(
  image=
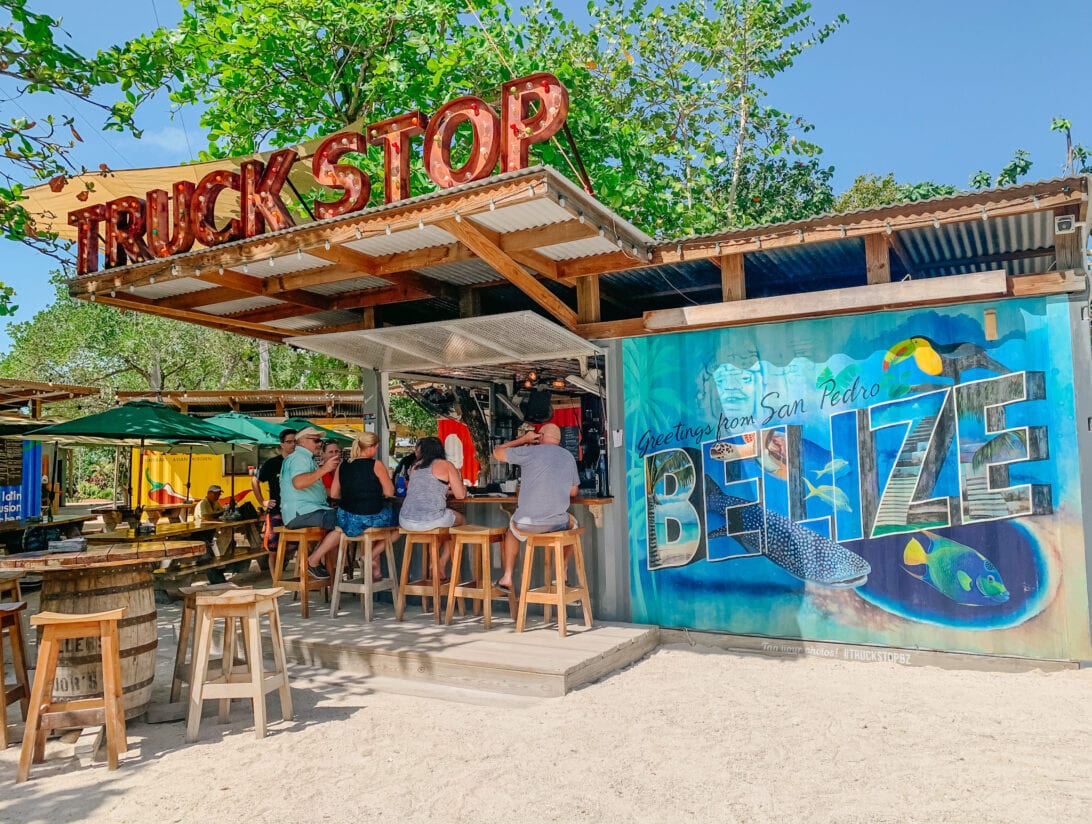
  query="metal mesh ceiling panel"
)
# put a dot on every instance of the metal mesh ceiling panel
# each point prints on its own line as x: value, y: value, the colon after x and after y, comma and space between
x: 515, y: 336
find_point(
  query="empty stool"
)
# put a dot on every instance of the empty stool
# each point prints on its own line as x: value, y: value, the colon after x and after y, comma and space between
x: 9, y: 585
x: 12, y: 627
x: 429, y: 584
x: 554, y: 590
x: 247, y: 606
x: 366, y: 586
x: 480, y: 587
x: 307, y: 538
x: 44, y: 714
x: 183, y: 656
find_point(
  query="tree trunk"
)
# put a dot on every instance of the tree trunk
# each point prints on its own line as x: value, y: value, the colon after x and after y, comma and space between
x: 263, y: 364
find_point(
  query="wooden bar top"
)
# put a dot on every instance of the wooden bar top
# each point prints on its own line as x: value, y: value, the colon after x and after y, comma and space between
x: 103, y: 555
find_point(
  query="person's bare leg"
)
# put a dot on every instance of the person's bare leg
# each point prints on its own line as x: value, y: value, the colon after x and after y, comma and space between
x: 377, y: 554
x: 328, y: 543
x: 511, y: 549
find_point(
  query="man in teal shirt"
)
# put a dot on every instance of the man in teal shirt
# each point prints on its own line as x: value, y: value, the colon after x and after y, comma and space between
x: 303, y: 497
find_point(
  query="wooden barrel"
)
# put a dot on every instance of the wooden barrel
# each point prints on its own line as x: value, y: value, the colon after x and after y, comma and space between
x: 96, y: 589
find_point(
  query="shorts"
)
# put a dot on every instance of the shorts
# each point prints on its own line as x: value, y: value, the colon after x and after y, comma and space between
x: 445, y: 520
x: 326, y: 518
x: 523, y: 530
x: 353, y: 525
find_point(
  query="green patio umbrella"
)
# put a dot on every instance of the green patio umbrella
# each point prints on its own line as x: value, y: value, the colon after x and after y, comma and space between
x: 142, y: 424
x: 264, y: 433
x: 342, y: 439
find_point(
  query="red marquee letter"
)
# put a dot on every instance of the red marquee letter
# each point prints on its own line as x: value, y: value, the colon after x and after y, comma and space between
x: 260, y: 196
x: 521, y: 127
x: 484, y: 125
x: 203, y: 209
x: 87, y: 221
x: 164, y: 241
x: 125, y: 232
x: 394, y: 134
x: 327, y: 171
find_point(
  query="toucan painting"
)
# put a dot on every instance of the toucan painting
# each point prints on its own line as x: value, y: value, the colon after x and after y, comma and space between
x: 949, y: 360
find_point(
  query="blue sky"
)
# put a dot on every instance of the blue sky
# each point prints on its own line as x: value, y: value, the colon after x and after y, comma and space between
x: 928, y: 90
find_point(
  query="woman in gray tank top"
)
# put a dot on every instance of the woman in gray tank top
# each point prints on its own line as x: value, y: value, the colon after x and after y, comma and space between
x: 425, y: 505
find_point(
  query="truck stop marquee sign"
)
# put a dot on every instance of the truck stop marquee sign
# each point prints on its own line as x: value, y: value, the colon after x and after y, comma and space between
x: 137, y: 229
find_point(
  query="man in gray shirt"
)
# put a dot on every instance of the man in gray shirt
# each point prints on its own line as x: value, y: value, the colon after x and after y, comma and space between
x: 548, y: 479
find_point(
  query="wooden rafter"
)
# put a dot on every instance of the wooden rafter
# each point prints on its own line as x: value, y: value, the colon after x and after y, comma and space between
x: 479, y: 243
x: 226, y: 324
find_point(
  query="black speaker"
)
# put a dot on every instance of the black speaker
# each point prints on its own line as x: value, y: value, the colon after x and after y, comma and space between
x: 536, y: 407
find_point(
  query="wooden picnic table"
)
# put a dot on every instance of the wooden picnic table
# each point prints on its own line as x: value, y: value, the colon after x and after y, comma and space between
x: 13, y: 533
x: 103, y: 577
x: 112, y: 515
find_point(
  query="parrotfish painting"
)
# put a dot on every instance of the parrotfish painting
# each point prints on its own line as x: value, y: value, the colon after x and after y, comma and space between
x: 907, y: 478
x: 963, y: 574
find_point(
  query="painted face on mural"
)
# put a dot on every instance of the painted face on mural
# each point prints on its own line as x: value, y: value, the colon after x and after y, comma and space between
x: 738, y: 390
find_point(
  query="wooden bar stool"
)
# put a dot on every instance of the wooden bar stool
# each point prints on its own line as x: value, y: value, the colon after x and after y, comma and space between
x: 554, y: 591
x: 9, y: 585
x: 247, y: 606
x: 12, y: 627
x: 365, y: 586
x: 183, y: 656
x: 46, y: 714
x: 480, y: 587
x: 307, y: 537
x: 429, y: 584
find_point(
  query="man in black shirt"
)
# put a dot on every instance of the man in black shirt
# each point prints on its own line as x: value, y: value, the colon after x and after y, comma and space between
x: 270, y: 473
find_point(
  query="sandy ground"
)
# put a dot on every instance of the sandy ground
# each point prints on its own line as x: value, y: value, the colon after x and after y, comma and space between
x: 687, y: 734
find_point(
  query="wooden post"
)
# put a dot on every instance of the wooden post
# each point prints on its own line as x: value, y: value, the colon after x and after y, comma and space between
x: 877, y: 259
x: 1068, y: 250
x: 733, y: 285
x: 367, y: 319
x: 588, y: 308
x: 470, y: 302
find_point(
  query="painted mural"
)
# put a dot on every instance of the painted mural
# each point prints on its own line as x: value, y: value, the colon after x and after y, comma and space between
x: 907, y: 479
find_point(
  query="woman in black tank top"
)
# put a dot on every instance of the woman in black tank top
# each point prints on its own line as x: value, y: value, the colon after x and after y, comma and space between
x: 362, y: 484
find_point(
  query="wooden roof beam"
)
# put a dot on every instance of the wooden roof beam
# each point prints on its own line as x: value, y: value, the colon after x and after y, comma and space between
x: 254, y: 330
x: 478, y: 242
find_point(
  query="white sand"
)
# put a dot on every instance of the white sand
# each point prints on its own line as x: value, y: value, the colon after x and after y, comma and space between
x: 688, y: 734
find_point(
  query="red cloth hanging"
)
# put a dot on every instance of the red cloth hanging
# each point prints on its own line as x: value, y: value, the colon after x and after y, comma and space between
x: 457, y: 430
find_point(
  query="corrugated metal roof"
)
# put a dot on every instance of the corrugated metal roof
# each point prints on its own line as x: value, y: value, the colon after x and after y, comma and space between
x: 170, y: 288
x: 231, y: 307
x: 586, y: 247
x: 462, y: 273
x: 315, y: 321
x: 519, y: 216
x: 355, y: 285
x: 407, y: 240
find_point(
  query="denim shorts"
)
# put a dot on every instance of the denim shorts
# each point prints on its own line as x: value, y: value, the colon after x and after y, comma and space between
x: 354, y: 525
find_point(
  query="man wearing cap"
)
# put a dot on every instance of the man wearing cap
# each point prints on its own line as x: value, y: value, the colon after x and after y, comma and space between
x: 303, y: 497
x: 548, y: 479
x: 209, y: 507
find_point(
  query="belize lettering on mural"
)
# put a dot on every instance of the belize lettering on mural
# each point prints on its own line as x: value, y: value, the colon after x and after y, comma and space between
x: 935, y: 458
x: 136, y: 229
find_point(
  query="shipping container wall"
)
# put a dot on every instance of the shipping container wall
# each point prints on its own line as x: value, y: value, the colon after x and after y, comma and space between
x: 905, y: 478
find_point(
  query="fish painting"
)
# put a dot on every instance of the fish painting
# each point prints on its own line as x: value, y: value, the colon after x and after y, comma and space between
x: 831, y: 494
x: 956, y: 571
x: 834, y: 467
x: 799, y: 551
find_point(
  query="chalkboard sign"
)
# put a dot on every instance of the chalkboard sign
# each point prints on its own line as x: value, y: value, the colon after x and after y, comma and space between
x: 570, y: 440
x: 11, y: 463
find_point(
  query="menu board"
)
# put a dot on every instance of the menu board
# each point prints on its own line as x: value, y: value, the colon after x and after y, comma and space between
x: 570, y: 440
x: 11, y: 463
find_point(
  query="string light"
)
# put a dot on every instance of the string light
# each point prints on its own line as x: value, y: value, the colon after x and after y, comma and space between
x: 887, y: 226
x: 359, y: 235
x: 842, y: 231
x: 984, y: 215
x: 326, y: 246
x: 458, y: 217
x: 271, y: 262
x: 421, y: 224
x: 580, y: 217
x: 388, y: 228
x: 197, y: 271
x: 561, y: 201
x: 299, y: 254
x: 936, y: 222
x: 492, y: 205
